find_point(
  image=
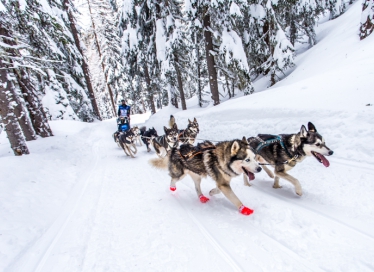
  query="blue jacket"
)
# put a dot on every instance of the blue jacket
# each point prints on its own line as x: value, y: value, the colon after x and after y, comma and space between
x: 124, y: 110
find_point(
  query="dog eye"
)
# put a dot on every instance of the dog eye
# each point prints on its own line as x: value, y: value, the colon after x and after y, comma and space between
x: 247, y: 160
x: 318, y: 144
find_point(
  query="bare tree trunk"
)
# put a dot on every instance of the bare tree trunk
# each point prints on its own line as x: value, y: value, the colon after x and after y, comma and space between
x: 85, y: 68
x: 180, y: 84
x: 199, y: 91
x: 149, y: 89
x: 210, y: 60
x: 228, y: 86
x: 10, y: 121
x: 18, y: 108
x: 38, y: 117
x: 22, y: 115
x: 102, y: 64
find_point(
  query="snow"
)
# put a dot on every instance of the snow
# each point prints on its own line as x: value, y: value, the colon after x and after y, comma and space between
x: 257, y: 11
x: 2, y: 7
x: 77, y: 203
x: 160, y: 40
x: 232, y: 47
x: 235, y: 10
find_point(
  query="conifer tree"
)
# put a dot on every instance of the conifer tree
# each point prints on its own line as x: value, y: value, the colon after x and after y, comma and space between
x: 138, y: 27
x: 367, y: 19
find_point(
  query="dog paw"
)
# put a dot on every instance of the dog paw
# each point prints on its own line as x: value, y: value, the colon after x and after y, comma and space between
x: 299, y: 191
x: 244, y: 210
x: 277, y: 186
x: 173, y: 188
x: 203, y: 199
x: 214, y: 191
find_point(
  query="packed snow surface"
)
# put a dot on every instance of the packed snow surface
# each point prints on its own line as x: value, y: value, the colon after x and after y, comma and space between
x: 78, y: 203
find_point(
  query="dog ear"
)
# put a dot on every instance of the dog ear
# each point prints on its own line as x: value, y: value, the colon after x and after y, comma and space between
x: 194, y: 119
x: 235, y: 148
x: 244, y: 140
x: 311, y: 127
x: 189, y: 121
x: 175, y: 126
x: 166, y: 129
x: 303, y: 132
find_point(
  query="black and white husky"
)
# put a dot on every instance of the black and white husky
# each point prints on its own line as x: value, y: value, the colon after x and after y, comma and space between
x: 147, y: 136
x: 284, y: 151
x: 126, y: 141
x: 163, y: 144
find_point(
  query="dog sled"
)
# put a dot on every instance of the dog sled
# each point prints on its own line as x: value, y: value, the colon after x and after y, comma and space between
x: 124, y: 137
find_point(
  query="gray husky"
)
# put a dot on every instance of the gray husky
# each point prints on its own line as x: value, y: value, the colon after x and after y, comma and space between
x: 189, y: 134
x: 221, y: 162
x: 163, y: 144
x: 284, y: 151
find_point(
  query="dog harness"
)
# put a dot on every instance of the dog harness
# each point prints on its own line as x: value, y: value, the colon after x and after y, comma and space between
x: 276, y: 139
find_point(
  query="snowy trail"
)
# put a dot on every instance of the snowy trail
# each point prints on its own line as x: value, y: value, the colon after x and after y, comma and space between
x: 121, y: 216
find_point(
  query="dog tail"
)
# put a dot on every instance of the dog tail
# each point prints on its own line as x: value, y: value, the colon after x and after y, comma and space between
x: 161, y: 163
x: 171, y: 121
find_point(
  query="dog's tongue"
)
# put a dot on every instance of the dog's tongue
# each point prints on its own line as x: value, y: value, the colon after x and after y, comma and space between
x: 325, y: 162
x: 250, y: 175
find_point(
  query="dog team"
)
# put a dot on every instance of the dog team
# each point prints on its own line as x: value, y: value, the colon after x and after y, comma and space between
x: 225, y: 160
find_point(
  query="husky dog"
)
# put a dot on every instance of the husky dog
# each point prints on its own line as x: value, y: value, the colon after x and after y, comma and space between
x: 147, y: 136
x: 222, y: 162
x: 126, y: 142
x: 137, y: 134
x: 284, y: 151
x: 163, y: 144
x: 189, y: 134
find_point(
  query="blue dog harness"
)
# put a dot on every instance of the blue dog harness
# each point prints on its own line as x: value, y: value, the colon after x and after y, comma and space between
x: 276, y: 139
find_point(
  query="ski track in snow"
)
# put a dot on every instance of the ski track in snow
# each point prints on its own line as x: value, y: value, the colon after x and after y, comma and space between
x: 39, y: 253
x: 119, y: 219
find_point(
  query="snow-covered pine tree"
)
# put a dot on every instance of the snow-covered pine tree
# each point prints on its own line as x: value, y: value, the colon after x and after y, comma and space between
x: 10, y: 121
x: 198, y: 73
x: 199, y: 14
x: 9, y: 98
x: 171, y: 45
x: 42, y: 27
x: 71, y: 23
x: 299, y: 17
x: 269, y: 50
x: 232, y: 60
x: 22, y: 70
x: 104, y: 17
x: 367, y: 19
x: 335, y: 7
x: 138, y: 30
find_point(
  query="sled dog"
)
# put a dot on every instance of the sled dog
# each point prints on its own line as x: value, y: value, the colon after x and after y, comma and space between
x: 147, y: 136
x: 284, y: 151
x: 126, y: 142
x: 163, y: 144
x: 137, y: 134
x: 189, y: 134
x: 221, y: 162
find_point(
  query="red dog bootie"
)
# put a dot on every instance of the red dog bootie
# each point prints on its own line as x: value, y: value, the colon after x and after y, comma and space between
x: 203, y: 199
x: 173, y: 188
x: 244, y: 210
